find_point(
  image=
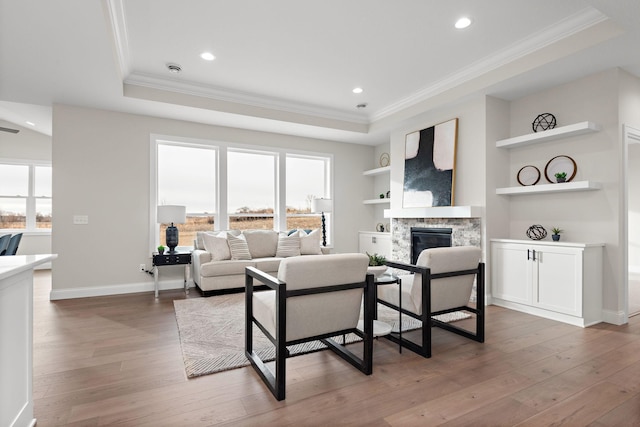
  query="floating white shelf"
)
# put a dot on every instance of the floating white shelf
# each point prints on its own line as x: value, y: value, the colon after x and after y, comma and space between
x: 549, y: 135
x: 550, y: 188
x: 377, y: 171
x: 376, y: 201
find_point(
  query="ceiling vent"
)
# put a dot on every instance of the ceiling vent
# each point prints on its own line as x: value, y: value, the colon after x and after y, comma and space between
x: 174, y: 68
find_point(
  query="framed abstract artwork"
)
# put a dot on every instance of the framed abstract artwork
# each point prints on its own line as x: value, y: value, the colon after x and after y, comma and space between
x: 429, y: 166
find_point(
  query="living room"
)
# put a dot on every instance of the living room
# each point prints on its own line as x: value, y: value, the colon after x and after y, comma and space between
x: 102, y: 169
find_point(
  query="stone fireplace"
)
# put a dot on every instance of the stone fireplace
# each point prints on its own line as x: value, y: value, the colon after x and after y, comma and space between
x: 464, y: 231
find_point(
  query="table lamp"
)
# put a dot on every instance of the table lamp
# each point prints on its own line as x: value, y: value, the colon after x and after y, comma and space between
x: 170, y: 214
x: 322, y: 206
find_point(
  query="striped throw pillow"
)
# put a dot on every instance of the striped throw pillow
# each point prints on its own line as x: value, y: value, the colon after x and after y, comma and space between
x: 288, y: 246
x: 238, y: 247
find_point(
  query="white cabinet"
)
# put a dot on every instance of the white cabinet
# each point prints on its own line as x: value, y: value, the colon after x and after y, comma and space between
x: 375, y: 243
x: 560, y: 281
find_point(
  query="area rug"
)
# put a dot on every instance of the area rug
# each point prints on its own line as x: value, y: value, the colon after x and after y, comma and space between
x: 212, y: 333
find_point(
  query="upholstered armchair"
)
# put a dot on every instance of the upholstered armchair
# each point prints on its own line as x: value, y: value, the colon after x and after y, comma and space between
x: 441, y: 282
x: 314, y: 297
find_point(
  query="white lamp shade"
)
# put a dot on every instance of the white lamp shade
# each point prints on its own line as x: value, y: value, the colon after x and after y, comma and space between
x: 321, y: 205
x: 172, y: 213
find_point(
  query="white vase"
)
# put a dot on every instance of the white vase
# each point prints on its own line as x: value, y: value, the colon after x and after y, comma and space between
x: 377, y: 270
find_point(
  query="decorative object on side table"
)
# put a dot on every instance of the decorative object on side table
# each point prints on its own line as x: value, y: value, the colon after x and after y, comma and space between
x: 561, y: 176
x: 377, y: 265
x: 555, y: 233
x: 160, y: 249
x: 536, y: 232
x: 544, y: 121
x: 172, y: 214
x: 321, y: 206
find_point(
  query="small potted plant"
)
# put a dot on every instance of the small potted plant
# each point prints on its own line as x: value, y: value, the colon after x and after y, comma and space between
x: 160, y: 249
x: 555, y: 234
x: 561, y: 176
x: 376, y: 264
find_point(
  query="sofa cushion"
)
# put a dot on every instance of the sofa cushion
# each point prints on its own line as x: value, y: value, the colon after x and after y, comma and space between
x: 217, y: 245
x: 225, y: 268
x: 288, y: 245
x: 199, y: 242
x: 238, y: 247
x: 262, y: 243
x: 310, y: 242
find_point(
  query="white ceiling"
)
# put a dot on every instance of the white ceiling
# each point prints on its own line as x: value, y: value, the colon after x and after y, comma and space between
x: 289, y: 66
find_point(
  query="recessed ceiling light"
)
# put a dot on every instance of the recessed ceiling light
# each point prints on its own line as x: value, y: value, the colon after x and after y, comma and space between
x: 30, y: 123
x: 357, y: 90
x: 463, y: 22
x: 207, y: 56
x: 174, y: 68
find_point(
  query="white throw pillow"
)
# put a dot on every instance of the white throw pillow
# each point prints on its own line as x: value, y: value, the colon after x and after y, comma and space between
x: 288, y: 245
x: 217, y: 245
x: 238, y: 247
x: 310, y: 243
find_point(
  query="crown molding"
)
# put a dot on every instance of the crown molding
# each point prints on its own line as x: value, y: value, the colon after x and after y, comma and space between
x: 569, y: 26
x: 117, y: 23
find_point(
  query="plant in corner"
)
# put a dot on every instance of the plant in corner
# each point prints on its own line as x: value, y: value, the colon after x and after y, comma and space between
x: 160, y: 249
x: 561, y: 176
x: 556, y: 233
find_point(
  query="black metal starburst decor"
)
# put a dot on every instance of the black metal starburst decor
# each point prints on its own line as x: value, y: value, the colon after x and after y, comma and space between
x: 536, y: 232
x: 544, y: 121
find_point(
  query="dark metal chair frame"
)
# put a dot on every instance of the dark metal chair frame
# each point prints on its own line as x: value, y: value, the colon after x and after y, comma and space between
x: 276, y: 383
x: 427, y: 316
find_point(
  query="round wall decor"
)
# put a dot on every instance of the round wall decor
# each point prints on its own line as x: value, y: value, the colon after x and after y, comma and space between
x: 560, y: 164
x: 385, y: 160
x: 528, y: 175
x: 544, y: 121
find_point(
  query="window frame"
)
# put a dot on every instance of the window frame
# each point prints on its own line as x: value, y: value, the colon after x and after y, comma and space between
x: 221, y: 215
x: 30, y: 198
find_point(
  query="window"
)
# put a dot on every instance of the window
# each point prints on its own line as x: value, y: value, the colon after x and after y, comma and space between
x: 25, y: 195
x: 186, y: 176
x: 232, y: 187
x: 251, y: 194
x: 307, y: 178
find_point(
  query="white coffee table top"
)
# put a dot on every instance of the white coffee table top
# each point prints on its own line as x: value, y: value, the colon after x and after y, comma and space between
x: 379, y: 328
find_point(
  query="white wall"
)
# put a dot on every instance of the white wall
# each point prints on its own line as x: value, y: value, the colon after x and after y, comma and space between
x: 102, y: 169
x: 27, y: 145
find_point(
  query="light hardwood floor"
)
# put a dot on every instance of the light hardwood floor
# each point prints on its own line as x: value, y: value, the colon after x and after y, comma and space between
x: 117, y: 360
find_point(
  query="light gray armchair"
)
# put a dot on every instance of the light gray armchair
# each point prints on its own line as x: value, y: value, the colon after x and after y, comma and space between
x: 314, y: 297
x: 441, y: 282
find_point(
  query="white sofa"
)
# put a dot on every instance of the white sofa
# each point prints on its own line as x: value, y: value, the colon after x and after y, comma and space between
x: 219, y: 259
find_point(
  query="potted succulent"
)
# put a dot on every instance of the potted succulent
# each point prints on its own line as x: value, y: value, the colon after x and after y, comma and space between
x: 555, y: 234
x: 561, y: 176
x: 377, y: 265
x: 160, y: 249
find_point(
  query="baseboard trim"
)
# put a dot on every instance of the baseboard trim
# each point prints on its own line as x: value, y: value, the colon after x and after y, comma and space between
x: 127, y: 288
x: 614, y: 317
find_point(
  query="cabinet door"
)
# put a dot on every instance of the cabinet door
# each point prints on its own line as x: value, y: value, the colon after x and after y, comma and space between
x: 558, y: 280
x: 511, y: 272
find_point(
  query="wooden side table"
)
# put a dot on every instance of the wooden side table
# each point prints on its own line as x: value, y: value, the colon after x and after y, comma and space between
x: 171, y: 258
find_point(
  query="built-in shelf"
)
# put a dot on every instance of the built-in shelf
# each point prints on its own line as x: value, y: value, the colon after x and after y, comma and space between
x: 377, y: 201
x: 550, y: 188
x: 549, y: 135
x: 377, y: 171
x: 435, y: 212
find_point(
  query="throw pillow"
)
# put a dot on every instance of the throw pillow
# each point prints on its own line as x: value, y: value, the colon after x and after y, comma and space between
x: 217, y: 245
x: 238, y: 247
x: 310, y: 242
x: 288, y: 246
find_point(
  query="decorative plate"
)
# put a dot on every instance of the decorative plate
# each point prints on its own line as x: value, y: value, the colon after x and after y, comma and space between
x: 387, y: 227
x: 560, y: 164
x: 385, y: 160
x: 380, y: 227
x: 528, y: 175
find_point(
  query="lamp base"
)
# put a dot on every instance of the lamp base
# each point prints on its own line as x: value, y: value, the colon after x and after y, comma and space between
x: 172, y: 238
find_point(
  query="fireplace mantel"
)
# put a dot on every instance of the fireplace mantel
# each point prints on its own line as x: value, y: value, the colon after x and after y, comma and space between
x: 435, y: 212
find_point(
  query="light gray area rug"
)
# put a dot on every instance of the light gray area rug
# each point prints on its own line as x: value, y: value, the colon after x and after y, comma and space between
x: 212, y: 333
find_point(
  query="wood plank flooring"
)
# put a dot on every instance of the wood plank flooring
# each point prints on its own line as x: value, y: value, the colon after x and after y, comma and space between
x: 117, y: 361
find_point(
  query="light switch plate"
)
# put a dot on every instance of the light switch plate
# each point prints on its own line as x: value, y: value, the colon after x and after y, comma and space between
x: 81, y: 219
